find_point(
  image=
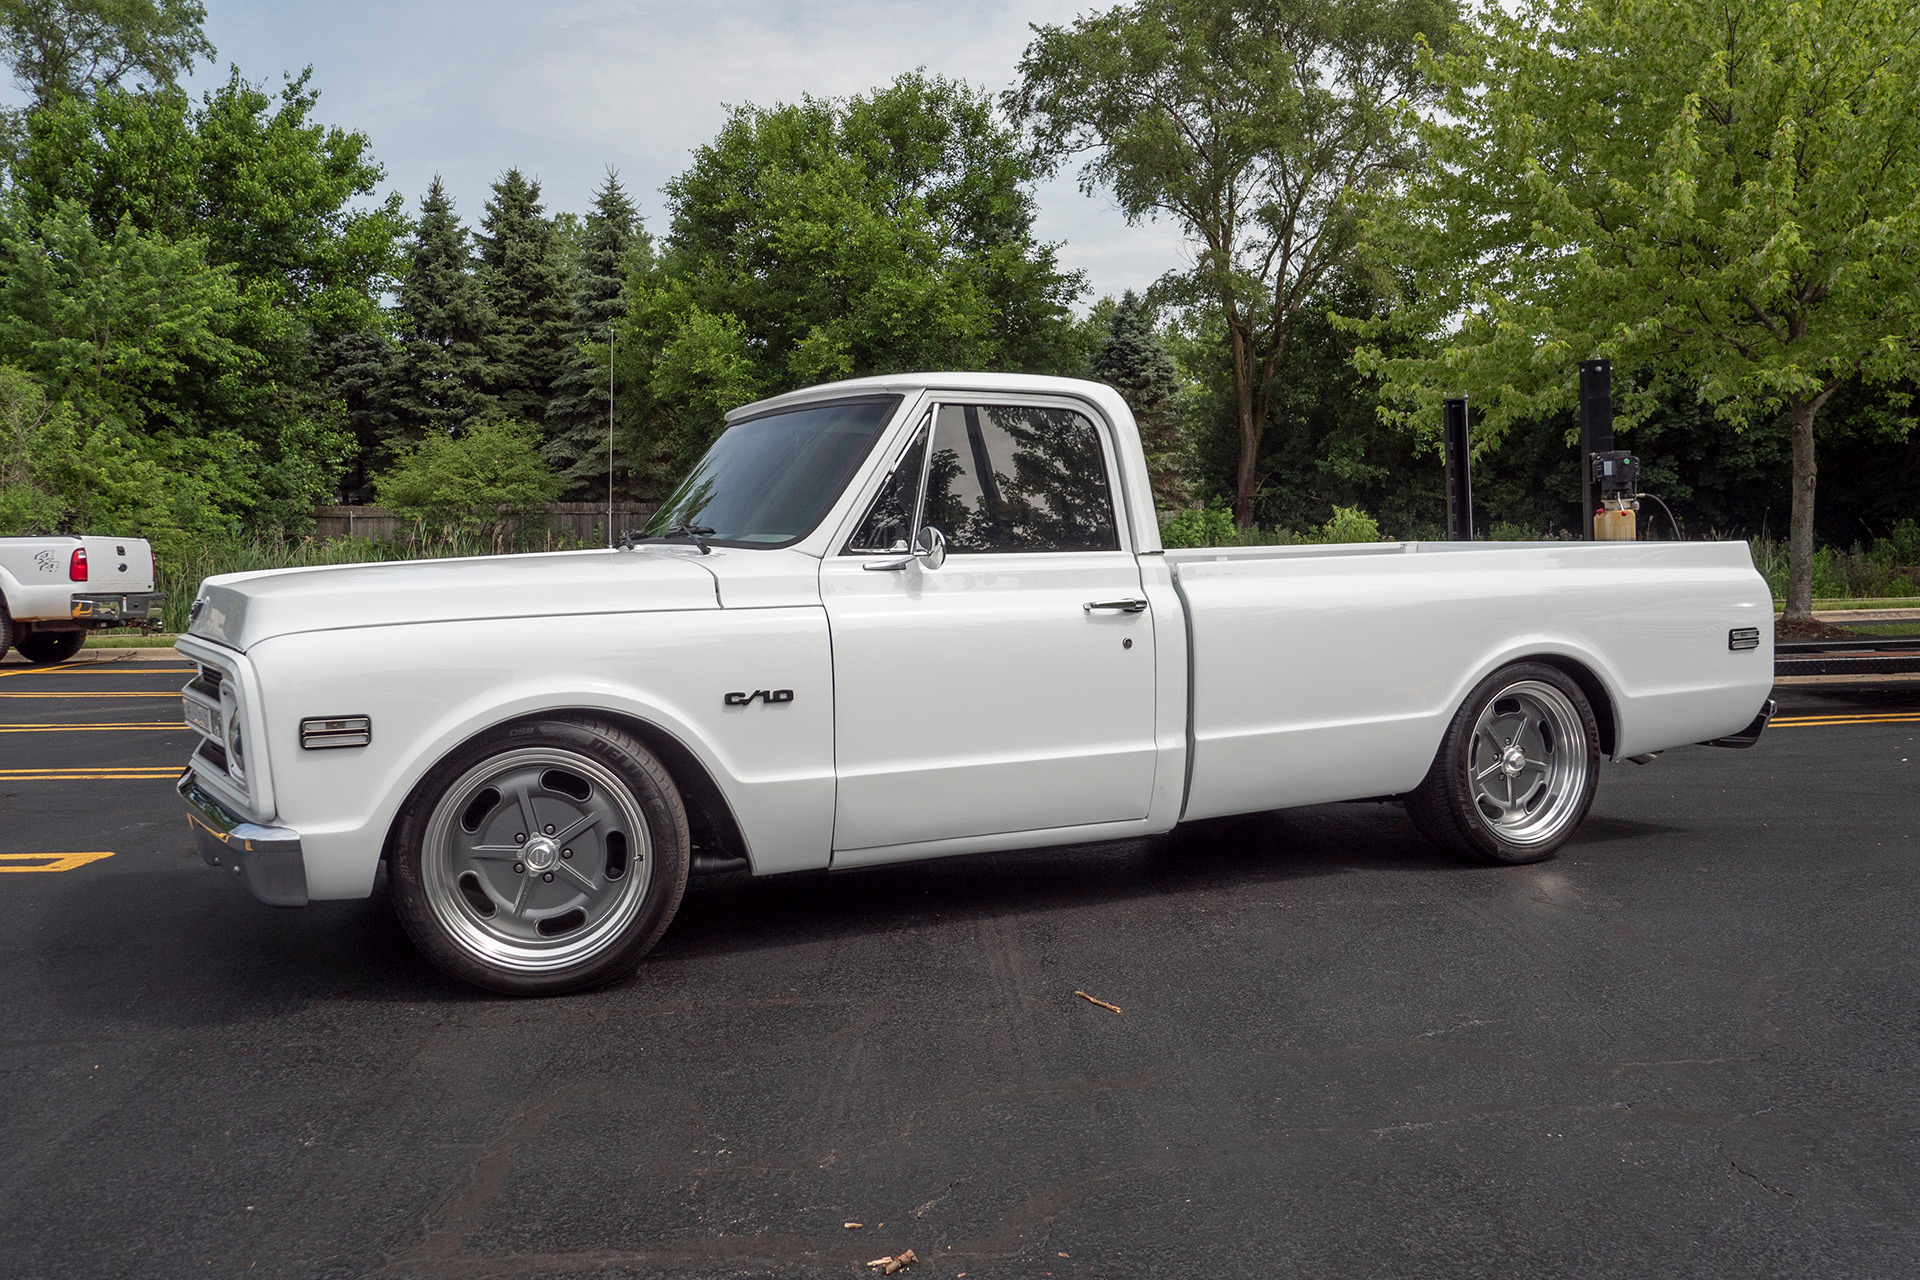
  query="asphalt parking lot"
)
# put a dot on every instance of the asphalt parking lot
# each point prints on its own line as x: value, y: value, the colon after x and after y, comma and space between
x: 1688, y: 1046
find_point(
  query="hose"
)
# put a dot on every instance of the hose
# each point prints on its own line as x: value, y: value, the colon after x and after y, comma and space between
x: 1671, y: 522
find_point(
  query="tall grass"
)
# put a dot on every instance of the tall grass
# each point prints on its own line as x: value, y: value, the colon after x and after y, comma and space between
x: 180, y: 577
x: 1890, y: 567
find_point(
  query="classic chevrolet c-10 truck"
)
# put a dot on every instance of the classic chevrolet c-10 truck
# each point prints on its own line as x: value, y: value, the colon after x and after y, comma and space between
x: 900, y: 618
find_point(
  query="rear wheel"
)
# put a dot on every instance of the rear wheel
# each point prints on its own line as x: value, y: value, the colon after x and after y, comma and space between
x: 46, y: 647
x: 542, y: 858
x: 1516, y: 772
x: 6, y: 629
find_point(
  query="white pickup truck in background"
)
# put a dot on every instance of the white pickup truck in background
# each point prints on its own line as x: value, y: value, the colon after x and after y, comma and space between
x: 902, y: 618
x: 53, y: 590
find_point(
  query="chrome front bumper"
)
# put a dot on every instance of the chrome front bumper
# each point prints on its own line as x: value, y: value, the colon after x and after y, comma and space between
x: 268, y: 860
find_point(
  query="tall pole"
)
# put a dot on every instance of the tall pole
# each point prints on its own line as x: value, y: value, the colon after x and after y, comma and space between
x: 1596, y: 430
x: 609, y: 435
x: 1458, y: 447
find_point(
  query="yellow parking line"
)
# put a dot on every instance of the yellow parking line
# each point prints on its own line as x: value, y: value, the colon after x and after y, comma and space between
x: 101, y: 669
x: 123, y: 773
x: 93, y: 728
x: 1803, y: 722
x: 48, y: 861
x: 90, y: 693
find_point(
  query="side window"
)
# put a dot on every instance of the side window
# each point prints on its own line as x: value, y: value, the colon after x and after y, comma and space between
x: 1006, y: 478
x: 889, y: 521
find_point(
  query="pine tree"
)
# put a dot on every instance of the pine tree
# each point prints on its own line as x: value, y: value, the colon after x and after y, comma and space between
x: 439, y: 380
x: 611, y: 239
x: 1133, y: 360
x: 357, y: 369
x: 524, y: 277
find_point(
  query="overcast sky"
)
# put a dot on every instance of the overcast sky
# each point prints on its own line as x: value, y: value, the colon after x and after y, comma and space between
x: 466, y: 88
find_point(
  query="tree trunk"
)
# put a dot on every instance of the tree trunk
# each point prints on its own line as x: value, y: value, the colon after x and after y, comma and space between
x: 1247, y: 484
x: 1800, y: 531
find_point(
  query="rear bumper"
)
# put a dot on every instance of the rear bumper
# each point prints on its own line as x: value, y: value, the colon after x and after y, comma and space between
x: 118, y: 606
x: 268, y: 860
x: 1751, y: 734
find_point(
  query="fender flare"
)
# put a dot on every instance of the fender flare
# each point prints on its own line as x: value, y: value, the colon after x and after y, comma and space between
x: 709, y: 813
x: 1580, y: 663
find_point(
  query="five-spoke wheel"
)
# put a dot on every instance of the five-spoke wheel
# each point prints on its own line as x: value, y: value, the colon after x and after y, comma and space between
x: 1516, y: 771
x: 544, y: 857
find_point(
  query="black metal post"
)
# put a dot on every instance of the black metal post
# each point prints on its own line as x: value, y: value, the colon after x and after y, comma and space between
x: 1596, y: 430
x: 1459, y: 450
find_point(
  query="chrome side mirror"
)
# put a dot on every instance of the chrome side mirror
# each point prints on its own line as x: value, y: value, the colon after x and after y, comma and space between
x: 930, y: 548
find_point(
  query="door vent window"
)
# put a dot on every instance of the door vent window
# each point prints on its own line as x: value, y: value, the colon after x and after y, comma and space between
x: 889, y: 522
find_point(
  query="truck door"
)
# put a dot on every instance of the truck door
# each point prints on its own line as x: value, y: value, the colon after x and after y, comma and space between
x: 1011, y: 688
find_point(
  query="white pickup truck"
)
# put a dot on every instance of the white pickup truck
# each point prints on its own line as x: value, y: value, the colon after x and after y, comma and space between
x: 54, y: 590
x: 906, y: 617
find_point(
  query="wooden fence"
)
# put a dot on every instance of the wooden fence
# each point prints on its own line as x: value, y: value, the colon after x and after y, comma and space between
x: 586, y: 521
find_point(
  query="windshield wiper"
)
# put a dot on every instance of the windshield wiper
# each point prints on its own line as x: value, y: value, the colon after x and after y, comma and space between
x: 695, y: 533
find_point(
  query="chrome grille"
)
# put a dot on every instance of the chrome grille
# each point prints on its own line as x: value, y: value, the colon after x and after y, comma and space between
x: 212, y: 710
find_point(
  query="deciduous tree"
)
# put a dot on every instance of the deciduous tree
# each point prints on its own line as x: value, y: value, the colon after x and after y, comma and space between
x: 1723, y: 198
x: 831, y: 239
x: 57, y: 47
x: 1253, y: 124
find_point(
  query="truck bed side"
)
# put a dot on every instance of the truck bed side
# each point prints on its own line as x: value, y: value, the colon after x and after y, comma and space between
x: 1325, y: 674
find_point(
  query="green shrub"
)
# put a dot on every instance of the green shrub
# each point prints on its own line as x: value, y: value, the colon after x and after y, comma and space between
x: 1350, y: 524
x: 1213, y: 526
x: 1208, y: 526
x: 472, y: 483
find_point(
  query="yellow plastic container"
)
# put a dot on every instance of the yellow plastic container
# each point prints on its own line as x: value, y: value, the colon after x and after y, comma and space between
x: 1614, y: 526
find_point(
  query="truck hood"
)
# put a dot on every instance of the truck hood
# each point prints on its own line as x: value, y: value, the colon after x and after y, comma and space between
x: 240, y: 610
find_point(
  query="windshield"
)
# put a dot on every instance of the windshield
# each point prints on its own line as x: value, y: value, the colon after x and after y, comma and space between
x: 767, y: 482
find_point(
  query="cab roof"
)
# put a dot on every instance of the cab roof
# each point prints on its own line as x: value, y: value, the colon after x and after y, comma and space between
x: 907, y: 383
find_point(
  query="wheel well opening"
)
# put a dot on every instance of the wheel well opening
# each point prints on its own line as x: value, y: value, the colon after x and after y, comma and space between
x: 1596, y: 693
x: 710, y: 819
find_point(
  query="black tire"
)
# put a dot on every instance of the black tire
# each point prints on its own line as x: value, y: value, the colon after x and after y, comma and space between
x: 48, y: 647
x: 6, y: 629
x: 1548, y: 719
x: 450, y: 883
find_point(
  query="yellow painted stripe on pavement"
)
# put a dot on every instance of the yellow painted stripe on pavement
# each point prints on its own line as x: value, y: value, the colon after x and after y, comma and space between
x: 90, y: 693
x: 48, y: 861
x: 1806, y: 717
x: 124, y: 772
x: 94, y: 728
x: 1827, y: 722
x: 102, y: 669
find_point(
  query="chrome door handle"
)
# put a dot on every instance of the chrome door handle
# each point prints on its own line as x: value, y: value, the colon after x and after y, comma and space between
x: 1122, y: 606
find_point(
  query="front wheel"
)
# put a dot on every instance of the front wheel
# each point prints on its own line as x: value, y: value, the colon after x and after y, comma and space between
x: 48, y: 647
x: 542, y: 858
x: 1516, y: 772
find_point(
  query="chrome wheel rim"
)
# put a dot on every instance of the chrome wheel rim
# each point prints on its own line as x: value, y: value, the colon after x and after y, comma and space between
x: 1528, y: 763
x: 536, y: 859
